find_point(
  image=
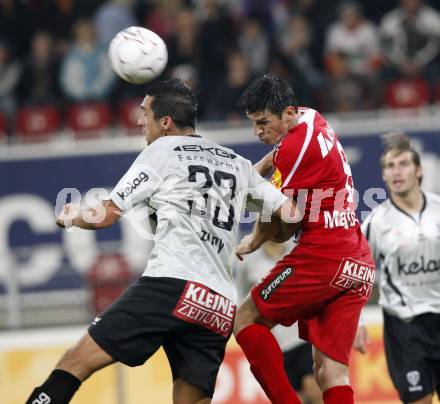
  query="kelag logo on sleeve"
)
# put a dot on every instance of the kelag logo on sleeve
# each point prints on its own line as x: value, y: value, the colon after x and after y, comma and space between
x: 142, y: 177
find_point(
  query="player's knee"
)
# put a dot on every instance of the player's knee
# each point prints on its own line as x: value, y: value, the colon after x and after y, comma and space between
x: 245, y: 316
x: 187, y: 393
x: 84, y: 358
x: 316, y: 368
x: 330, y: 374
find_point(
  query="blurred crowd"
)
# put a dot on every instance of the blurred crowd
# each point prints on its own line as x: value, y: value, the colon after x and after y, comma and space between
x: 339, y: 55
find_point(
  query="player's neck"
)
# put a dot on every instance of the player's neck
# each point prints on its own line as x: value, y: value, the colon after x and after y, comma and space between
x: 181, y: 132
x: 411, y: 202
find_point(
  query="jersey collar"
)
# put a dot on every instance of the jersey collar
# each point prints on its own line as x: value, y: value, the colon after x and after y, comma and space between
x: 406, y: 213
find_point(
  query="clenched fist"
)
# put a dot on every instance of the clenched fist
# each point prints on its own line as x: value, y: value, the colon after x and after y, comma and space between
x: 69, y: 212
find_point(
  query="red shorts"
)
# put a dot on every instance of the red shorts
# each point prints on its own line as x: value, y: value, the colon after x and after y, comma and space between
x: 324, y: 294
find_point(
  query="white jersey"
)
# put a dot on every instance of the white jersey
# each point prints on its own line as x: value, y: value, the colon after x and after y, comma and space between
x: 197, y: 189
x: 407, y: 250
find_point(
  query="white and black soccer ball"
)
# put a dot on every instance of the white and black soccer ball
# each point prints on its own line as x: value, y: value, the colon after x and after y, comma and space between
x: 137, y: 55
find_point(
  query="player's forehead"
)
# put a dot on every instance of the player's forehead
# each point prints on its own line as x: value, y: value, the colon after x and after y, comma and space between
x: 146, y: 102
x: 262, y: 116
x: 395, y: 156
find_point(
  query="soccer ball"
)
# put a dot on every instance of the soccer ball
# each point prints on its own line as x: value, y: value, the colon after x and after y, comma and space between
x: 137, y: 55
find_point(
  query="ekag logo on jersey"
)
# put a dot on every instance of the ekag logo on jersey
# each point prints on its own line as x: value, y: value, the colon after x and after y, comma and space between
x: 200, y: 305
x: 355, y: 276
x: 131, y: 186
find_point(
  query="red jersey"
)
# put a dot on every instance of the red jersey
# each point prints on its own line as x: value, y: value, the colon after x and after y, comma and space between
x: 311, y: 166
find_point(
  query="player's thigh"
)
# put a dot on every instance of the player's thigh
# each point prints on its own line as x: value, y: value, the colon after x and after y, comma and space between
x: 134, y: 327
x: 196, y: 354
x: 333, y: 328
x: 84, y: 358
x: 301, y: 284
x: 248, y: 313
x: 187, y: 393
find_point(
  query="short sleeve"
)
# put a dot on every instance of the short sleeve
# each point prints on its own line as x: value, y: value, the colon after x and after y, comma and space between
x: 262, y: 195
x: 142, y: 179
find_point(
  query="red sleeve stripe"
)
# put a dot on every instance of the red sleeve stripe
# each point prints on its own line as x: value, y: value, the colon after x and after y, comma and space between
x: 308, y: 118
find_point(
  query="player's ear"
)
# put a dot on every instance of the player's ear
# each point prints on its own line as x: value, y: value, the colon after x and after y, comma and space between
x: 166, y: 122
x: 289, y: 112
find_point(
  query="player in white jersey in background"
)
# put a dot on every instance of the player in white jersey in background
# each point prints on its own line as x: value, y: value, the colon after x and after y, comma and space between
x: 404, y: 236
x: 185, y: 301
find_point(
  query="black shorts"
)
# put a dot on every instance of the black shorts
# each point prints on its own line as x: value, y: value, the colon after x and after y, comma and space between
x: 298, y: 363
x: 412, y: 350
x: 190, y: 321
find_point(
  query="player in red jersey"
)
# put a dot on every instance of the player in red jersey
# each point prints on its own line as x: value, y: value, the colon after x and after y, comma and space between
x: 324, y: 282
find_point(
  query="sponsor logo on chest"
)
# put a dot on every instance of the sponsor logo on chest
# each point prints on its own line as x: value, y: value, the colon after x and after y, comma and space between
x: 416, y: 267
x: 200, y: 305
x: 215, y: 151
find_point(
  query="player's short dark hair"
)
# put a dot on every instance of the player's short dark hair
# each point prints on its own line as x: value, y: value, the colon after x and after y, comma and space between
x: 175, y: 99
x: 268, y: 93
x: 399, y: 142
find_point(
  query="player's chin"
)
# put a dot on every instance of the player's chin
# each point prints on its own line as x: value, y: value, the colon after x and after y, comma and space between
x: 265, y: 140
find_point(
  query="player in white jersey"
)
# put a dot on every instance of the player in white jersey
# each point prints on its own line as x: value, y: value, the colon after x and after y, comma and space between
x: 404, y: 236
x: 185, y: 300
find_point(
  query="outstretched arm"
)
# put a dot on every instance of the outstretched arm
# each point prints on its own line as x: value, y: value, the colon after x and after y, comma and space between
x: 92, y: 218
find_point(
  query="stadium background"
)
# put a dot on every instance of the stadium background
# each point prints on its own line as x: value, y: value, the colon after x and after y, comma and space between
x: 52, y: 282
